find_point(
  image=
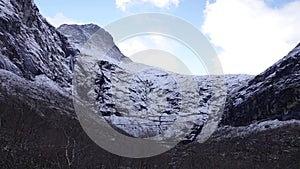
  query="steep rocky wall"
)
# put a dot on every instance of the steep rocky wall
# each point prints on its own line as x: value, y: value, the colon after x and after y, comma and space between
x: 273, y: 94
x: 30, y: 46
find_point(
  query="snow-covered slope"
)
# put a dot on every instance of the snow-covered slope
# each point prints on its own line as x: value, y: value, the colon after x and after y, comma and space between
x: 147, y: 103
x: 150, y: 101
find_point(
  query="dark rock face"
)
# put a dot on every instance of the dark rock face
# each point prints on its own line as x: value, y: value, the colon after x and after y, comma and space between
x: 274, y: 94
x: 6, y: 64
x: 30, y: 45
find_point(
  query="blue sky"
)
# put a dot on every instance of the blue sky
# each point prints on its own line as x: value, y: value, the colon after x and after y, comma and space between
x: 104, y: 12
x: 249, y: 35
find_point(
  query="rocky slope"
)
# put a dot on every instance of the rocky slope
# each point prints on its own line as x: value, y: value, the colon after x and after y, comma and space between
x: 39, y: 127
x: 30, y: 46
x: 273, y: 94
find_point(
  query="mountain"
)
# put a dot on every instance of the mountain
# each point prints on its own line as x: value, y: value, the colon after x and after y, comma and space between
x: 189, y: 99
x: 39, y: 127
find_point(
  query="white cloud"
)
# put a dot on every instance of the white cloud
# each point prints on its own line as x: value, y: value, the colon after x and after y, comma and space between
x: 154, y: 50
x: 123, y: 4
x: 163, y: 3
x: 252, y: 35
x: 144, y: 42
x: 60, y: 19
x: 131, y: 46
x: 135, y: 46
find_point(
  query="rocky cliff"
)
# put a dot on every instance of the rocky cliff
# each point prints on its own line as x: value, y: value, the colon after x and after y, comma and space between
x: 30, y: 46
x: 273, y: 94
